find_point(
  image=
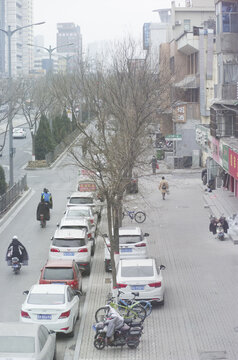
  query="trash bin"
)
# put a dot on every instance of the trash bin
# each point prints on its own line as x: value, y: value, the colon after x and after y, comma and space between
x: 160, y: 154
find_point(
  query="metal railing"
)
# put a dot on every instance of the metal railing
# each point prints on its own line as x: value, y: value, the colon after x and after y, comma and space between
x: 7, y: 199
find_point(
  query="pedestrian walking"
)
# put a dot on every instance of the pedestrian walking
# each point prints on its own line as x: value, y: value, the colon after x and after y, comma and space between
x: 154, y: 164
x: 163, y: 187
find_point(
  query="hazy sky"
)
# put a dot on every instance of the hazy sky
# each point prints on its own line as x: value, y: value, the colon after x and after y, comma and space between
x: 98, y: 19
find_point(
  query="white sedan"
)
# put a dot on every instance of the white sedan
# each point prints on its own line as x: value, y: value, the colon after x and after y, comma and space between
x: 19, y: 133
x: 56, y: 306
x: 87, y: 212
x: 142, y: 276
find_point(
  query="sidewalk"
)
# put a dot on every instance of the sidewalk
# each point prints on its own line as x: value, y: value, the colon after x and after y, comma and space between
x: 222, y: 202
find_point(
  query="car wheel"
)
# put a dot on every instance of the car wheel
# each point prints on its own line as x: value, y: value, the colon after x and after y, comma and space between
x: 71, y: 334
x: 88, y: 271
x: 93, y: 248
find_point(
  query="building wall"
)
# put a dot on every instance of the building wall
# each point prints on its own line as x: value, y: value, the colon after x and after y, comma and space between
x: 188, y: 143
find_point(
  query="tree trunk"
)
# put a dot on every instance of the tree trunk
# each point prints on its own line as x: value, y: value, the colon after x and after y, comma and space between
x: 112, y: 242
x: 33, y: 156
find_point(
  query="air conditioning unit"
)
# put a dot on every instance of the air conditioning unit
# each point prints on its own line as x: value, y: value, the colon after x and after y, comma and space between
x: 178, y: 22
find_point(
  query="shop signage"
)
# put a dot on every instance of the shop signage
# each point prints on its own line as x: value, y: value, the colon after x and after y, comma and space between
x: 233, y: 164
x: 181, y: 113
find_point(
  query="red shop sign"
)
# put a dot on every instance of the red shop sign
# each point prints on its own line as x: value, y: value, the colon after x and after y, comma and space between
x: 233, y: 164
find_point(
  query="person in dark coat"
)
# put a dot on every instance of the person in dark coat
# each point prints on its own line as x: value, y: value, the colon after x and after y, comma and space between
x: 213, y: 225
x: 154, y: 163
x: 43, y: 208
x: 224, y: 224
x: 16, y: 249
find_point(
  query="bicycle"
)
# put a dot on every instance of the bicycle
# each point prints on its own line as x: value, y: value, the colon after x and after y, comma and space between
x: 138, y: 216
x: 146, y: 304
x: 133, y: 311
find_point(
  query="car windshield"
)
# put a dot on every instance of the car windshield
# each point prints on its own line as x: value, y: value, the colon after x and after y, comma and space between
x: 68, y: 243
x: 80, y: 201
x: 17, y: 344
x: 77, y: 227
x: 129, y: 239
x: 137, y: 271
x: 58, y: 274
x: 46, y: 299
x: 78, y: 213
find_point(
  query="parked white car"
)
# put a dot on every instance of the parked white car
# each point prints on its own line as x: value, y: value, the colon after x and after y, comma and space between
x: 142, y: 276
x: 19, y: 133
x: 80, y: 224
x: 55, y: 306
x: 74, y: 245
x: 132, y: 245
x: 26, y: 341
x: 87, y: 212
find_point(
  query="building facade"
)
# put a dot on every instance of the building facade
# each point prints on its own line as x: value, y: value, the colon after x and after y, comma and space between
x: 222, y: 139
x: 16, y: 13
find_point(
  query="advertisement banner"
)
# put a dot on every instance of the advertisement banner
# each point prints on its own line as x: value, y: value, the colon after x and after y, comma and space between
x: 225, y: 157
x: 233, y: 164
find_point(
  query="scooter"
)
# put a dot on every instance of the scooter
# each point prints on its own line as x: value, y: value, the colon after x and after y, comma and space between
x: 16, y: 265
x: 42, y: 221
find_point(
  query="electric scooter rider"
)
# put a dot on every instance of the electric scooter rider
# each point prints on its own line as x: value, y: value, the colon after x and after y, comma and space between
x: 47, y: 197
x: 43, y: 208
x: 17, y: 249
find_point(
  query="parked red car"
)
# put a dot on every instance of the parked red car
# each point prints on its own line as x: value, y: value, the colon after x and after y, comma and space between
x: 62, y: 271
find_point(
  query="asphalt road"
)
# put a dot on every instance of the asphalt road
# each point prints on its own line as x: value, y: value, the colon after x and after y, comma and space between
x: 61, y: 181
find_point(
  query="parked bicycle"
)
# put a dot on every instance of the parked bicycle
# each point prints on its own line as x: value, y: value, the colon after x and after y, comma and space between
x: 128, y: 311
x: 144, y: 303
x: 138, y: 216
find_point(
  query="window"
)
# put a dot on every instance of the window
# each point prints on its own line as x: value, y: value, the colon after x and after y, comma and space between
x: 58, y: 274
x: 186, y: 24
x: 225, y: 124
x: 229, y: 17
x: 137, y: 271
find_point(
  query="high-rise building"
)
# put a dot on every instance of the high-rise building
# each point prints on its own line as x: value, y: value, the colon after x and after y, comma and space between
x: 16, y: 13
x: 69, y: 33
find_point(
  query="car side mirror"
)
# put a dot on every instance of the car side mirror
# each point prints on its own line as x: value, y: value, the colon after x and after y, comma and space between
x: 26, y: 292
x: 51, y: 238
x: 146, y: 234
x: 162, y: 267
x: 68, y: 197
x: 51, y: 332
x: 57, y: 224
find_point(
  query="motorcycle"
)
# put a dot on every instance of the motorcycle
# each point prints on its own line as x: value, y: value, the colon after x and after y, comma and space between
x: 42, y: 221
x: 16, y: 265
x: 129, y: 334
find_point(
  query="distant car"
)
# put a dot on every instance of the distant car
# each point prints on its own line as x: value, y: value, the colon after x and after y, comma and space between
x: 81, y: 198
x: 55, y: 306
x: 132, y: 244
x: 82, y: 211
x: 80, y: 224
x: 26, y: 341
x: 72, y: 244
x: 62, y: 272
x: 19, y: 133
x: 142, y: 276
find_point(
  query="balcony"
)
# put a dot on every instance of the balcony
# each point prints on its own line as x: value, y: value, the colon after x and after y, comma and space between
x: 188, y: 43
x: 226, y: 91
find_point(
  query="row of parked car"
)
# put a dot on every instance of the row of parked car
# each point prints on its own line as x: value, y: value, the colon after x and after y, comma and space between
x: 52, y: 305
x: 136, y: 271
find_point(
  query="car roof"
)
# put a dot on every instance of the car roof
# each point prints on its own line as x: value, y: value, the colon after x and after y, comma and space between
x: 59, y: 263
x: 133, y: 230
x: 137, y: 262
x: 18, y: 328
x: 78, y: 207
x: 78, y: 194
x: 69, y: 233
x: 48, y: 289
x: 74, y: 221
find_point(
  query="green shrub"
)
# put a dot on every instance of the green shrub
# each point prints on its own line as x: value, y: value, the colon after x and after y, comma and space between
x: 44, y: 142
x: 3, y: 184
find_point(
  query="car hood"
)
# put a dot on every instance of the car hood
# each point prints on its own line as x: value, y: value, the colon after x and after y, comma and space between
x: 10, y: 356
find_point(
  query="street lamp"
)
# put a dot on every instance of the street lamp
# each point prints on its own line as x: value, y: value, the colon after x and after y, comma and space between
x: 50, y: 50
x: 9, y: 34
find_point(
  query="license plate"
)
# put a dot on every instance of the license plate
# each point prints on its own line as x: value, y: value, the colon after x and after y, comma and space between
x: 68, y: 253
x: 15, y: 266
x: 44, y: 316
x: 123, y: 250
x: 137, y: 287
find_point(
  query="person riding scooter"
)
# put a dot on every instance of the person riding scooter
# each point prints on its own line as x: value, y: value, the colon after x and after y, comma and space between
x: 43, y: 208
x: 47, y: 197
x: 17, y: 249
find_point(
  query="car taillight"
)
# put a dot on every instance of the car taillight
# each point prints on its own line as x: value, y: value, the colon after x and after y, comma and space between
x: 89, y: 236
x: 156, y: 284
x: 54, y: 250
x: 83, y: 250
x: 74, y: 283
x: 25, y: 314
x: 140, y: 245
x: 108, y: 245
x: 65, y: 314
x: 119, y: 286
x: 91, y: 221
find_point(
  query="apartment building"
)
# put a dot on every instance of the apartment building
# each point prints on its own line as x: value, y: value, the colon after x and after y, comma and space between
x: 222, y: 139
x: 16, y: 13
x: 189, y: 58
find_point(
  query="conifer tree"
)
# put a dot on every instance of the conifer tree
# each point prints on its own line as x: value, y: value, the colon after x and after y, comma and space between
x: 44, y: 139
